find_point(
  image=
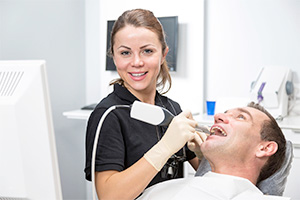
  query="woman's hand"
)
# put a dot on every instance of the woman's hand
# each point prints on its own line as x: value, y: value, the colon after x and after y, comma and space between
x: 180, y: 130
x: 194, y: 144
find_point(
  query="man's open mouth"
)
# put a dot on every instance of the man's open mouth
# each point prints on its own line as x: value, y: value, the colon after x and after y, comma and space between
x: 215, y: 130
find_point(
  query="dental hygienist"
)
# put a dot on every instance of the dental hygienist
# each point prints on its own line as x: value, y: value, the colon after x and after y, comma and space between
x: 132, y: 155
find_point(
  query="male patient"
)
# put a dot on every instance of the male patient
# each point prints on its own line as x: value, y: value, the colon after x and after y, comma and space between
x: 245, y: 146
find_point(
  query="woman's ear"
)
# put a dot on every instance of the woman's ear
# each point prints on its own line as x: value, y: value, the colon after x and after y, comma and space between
x: 165, y: 55
x: 266, y: 149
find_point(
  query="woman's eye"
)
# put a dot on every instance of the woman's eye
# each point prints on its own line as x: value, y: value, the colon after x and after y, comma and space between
x: 147, y: 51
x: 125, y: 53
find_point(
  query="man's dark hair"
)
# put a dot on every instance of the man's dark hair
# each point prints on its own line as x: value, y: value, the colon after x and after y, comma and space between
x: 270, y: 131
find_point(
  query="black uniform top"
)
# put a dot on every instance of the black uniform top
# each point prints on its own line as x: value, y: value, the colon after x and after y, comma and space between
x: 123, y: 140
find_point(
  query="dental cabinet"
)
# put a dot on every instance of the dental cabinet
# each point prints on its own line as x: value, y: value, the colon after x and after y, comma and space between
x: 290, y: 126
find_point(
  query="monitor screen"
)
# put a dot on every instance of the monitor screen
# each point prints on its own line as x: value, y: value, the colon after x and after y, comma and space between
x: 170, y: 26
x: 29, y: 167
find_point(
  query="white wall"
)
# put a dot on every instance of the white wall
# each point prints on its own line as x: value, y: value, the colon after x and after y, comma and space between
x: 187, y: 86
x: 53, y: 30
x: 243, y: 36
x: 240, y: 37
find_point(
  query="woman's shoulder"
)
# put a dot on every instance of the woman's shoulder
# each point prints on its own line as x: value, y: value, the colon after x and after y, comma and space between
x: 169, y: 99
x: 105, y: 104
x: 119, y: 96
x: 108, y: 101
x: 171, y: 102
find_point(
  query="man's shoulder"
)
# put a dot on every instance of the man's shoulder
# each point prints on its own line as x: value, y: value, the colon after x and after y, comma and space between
x: 165, y: 190
x: 248, y: 195
x: 271, y: 197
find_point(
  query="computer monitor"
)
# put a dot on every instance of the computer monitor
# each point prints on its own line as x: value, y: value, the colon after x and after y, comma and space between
x: 170, y: 26
x: 28, y: 158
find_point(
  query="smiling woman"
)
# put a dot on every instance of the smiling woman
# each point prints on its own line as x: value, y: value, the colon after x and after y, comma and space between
x: 138, y: 56
x: 170, y: 26
x: 130, y: 153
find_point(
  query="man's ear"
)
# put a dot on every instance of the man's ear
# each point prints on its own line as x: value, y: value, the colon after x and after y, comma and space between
x: 266, y: 148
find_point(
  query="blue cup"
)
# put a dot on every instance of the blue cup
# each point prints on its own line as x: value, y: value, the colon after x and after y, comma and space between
x: 210, y: 107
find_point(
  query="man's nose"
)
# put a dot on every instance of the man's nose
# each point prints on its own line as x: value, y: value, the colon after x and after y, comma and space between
x: 221, y: 117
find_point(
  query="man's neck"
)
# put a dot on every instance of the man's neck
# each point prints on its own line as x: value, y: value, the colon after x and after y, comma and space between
x: 249, y: 172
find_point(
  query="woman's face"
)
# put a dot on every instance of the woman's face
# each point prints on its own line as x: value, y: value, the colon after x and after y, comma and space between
x: 138, y: 57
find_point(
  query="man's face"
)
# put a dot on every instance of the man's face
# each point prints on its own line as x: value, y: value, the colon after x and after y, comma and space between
x: 235, y: 135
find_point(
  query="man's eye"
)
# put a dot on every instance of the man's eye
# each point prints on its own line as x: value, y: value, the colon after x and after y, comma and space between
x: 241, y: 116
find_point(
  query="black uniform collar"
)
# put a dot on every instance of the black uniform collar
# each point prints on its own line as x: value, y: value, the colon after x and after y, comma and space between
x: 124, y: 94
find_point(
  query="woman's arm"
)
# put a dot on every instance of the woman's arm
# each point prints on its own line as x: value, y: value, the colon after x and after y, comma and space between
x: 127, y: 184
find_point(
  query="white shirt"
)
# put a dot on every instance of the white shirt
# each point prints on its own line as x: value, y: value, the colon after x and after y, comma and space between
x: 211, y: 186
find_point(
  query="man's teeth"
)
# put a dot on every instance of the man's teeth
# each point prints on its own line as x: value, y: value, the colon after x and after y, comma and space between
x: 139, y: 74
x: 218, y: 130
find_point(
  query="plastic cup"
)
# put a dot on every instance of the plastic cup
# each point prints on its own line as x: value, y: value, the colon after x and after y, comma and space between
x: 210, y: 107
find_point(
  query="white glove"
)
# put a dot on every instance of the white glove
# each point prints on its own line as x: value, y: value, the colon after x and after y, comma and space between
x: 194, y: 145
x: 180, y: 130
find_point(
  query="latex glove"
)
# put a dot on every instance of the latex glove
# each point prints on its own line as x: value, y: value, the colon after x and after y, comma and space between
x: 180, y: 130
x: 194, y: 145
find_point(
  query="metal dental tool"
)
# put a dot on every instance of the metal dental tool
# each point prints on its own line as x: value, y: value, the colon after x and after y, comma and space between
x: 203, y: 128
